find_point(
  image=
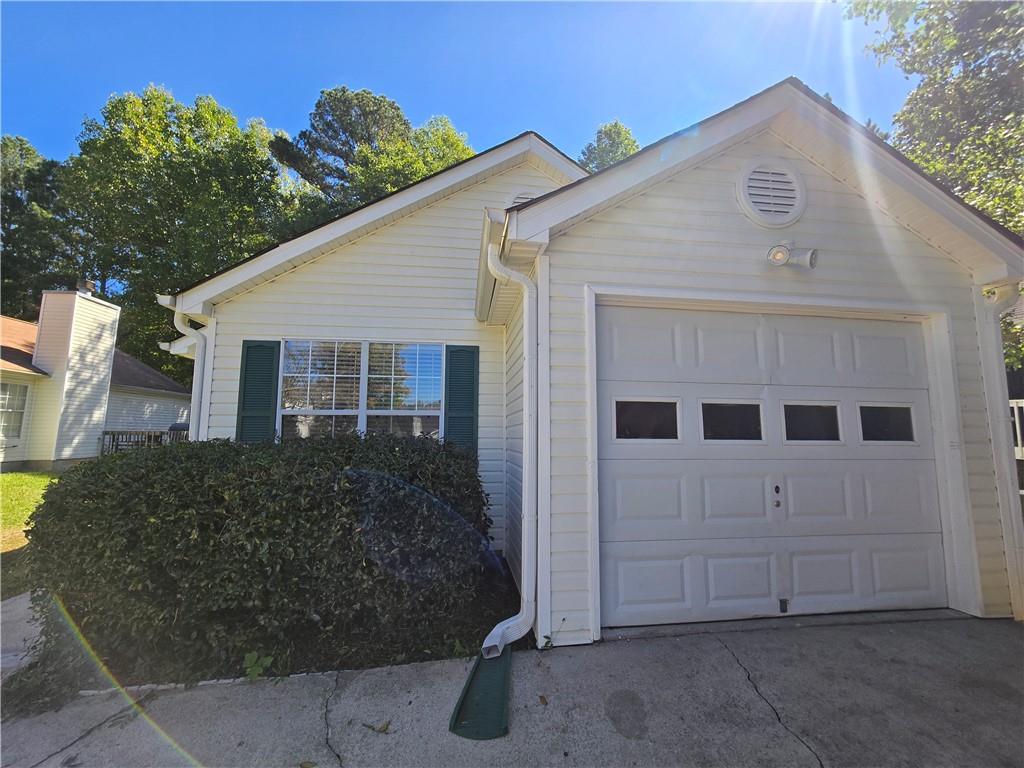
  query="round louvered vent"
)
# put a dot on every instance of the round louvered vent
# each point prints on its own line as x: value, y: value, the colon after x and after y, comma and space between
x: 771, y: 192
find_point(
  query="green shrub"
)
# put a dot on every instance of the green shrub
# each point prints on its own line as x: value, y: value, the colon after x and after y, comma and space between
x: 178, y: 561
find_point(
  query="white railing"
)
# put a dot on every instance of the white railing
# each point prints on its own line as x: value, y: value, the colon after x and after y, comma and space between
x: 1017, y: 417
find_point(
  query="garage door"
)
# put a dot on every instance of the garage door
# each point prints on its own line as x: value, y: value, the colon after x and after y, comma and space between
x: 751, y: 465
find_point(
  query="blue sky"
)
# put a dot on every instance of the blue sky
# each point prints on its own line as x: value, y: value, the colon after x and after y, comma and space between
x: 495, y: 69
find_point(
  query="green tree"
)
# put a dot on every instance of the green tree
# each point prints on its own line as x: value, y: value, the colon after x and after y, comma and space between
x: 33, y: 245
x: 876, y: 129
x: 963, y: 122
x: 613, y: 142
x: 341, y: 121
x: 395, y: 162
x: 168, y: 193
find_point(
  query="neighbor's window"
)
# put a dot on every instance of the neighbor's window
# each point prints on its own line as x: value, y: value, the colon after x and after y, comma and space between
x: 815, y: 423
x: 12, y: 409
x: 886, y: 423
x: 731, y: 421
x: 646, y: 420
x: 332, y: 387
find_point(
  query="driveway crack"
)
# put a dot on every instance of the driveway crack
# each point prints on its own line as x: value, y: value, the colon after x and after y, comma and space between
x: 764, y: 698
x: 139, y: 703
x: 327, y: 718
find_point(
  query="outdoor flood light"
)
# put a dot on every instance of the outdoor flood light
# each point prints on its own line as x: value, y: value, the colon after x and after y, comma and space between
x: 784, y: 253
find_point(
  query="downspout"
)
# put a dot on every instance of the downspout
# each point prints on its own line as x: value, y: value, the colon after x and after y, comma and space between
x: 198, y: 368
x: 511, y: 629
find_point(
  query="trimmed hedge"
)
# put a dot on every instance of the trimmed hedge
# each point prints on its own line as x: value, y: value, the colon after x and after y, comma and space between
x: 177, y: 561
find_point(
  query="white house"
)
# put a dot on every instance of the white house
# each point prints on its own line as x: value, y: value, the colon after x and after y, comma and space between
x: 62, y: 383
x: 753, y: 369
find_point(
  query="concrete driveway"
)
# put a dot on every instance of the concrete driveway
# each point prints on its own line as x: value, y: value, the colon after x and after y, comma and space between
x: 924, y: 688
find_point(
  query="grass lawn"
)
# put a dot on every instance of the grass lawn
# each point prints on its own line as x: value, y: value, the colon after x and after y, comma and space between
x: 20, y: 492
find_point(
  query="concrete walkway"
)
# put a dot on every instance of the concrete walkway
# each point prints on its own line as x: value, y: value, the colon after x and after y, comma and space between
x: 925, y: 688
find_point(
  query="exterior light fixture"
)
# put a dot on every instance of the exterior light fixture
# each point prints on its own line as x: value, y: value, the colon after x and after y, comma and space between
x: 784, y: 253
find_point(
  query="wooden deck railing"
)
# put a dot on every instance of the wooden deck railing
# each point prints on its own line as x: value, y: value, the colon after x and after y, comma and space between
x: 125, y: 440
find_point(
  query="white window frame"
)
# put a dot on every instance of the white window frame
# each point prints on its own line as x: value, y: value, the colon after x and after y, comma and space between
x: 730, y: 401
x: 362, y: 411
x: 7, y: 441
x: 678, y: 439
x: 874, y: 404
x: 837, y: 404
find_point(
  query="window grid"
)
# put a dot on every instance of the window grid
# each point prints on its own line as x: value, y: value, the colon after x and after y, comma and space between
x: 13, y: 399
x: 426, y: 377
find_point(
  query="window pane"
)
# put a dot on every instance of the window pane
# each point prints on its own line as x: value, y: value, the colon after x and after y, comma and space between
x: 344, y: 424
x: 812, y: 422
x: 887, y: 423
x: 378, y: 394
x: 381, y: 357
x: 405, y: 394
x: 321, y: 392
x: 296, y: 357
x: 404, y: 425
x: 322, y: 359
x: 349, y: 353
x: 636, y: 420
x: 294, y: 427
x: 428, y: 394
x: 731, y: 421
x: 405, y: 360
x: 10, y: 423
x: 346, y: 393
x: 430, y: 361
x: 293, y: 392
x: 12, y: 396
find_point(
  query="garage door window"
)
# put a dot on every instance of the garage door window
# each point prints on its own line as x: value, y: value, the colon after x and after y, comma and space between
x: 731, y: 421
x: 646, y: 420
x: 886, y: 424
x: 811, y: 422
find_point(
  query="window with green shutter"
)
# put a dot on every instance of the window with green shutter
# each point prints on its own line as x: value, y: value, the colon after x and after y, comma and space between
x: 257, y: 391
x: 462, y: 396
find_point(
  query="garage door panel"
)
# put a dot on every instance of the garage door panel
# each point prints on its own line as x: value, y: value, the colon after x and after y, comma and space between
x: 683, y: 346
x: 728, y: 347
x: 702, y: 580
x: 651, y: 500
x: 750, y: 459
x: 690, y: 442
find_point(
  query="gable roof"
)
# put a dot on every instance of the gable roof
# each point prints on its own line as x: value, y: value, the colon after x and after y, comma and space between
x: 283, y: 256
x: 19, y: 345
x: 828, y: 136
x: 128, y: 372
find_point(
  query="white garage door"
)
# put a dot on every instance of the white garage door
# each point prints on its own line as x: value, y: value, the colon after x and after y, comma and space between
x: 757, y: 464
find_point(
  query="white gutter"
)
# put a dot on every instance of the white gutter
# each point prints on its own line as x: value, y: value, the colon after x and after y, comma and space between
x: 183, y: 327
x: 510, y: 630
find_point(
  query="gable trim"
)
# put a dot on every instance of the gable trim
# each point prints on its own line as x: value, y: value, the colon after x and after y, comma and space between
x: 562, y: 208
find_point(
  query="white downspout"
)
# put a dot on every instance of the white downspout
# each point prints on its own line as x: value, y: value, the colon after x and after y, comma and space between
x: 198, y: 368
x: 510, y: 630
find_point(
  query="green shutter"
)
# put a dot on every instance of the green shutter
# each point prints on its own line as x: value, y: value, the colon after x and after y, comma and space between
x: 257, y: 391
x: 462, y: 396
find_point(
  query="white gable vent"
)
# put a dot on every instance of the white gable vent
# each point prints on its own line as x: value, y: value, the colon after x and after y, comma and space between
x: 771, y: 192
x: 522, y: 197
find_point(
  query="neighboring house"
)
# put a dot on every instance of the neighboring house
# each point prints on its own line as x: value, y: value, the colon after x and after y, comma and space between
x: 62, y: 383
x: 670, y: 426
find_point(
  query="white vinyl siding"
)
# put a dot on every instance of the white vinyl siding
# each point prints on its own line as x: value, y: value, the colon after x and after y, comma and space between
x: 412, y: 281
x: 130, y: 410
x: 689, y: 232
x: 514, y: 439
x: 87, y: 380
